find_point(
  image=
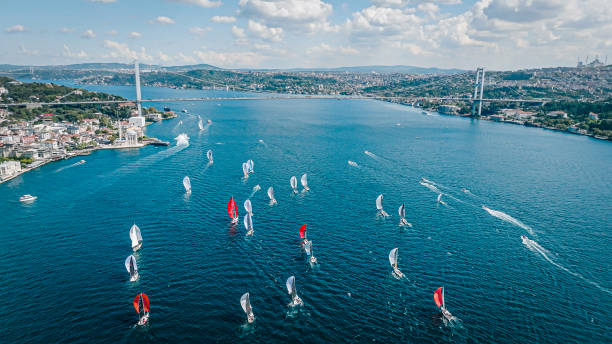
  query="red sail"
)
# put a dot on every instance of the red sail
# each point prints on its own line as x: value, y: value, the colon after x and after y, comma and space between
x: 303, y: 231
x: 232, y: 210
x: 145, y: 302
x: 438, y: 298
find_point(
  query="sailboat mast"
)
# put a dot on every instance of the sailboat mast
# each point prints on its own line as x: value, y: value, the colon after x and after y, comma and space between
x: 443, y: 303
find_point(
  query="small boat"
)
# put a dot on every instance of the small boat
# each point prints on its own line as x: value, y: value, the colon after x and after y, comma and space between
x: 232, y: 210
x: 209, y: 121
x: 209, y: 155
x: 271, y: 195
x: 187, y: 184
x: 245, y: 170
x: 295, y: 299
x: 166, y: 109
x: 439, y: 300
x: 308, y: 250
x: 379, y: 206
x: 248, y: 224
x: 293, y: 182
x: 250, y: 165
x: 393, y: 256
x: 27, y: 198
x: 141, y: 305
x: 81, y: 162
x: 200, y: 124
x: 424, y: 112
x: 256, y: 188
x: 245, y: 302
x: 402, y: 214
x: 135, y: 237
x: 304, y: 182
x: 439, y: 200
x: 132, y: 268
x: 180, y: 122
x: 248, y: 207
x: 185, y: 110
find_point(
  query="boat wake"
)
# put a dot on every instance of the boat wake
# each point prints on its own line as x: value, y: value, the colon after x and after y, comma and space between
x: 352, y: 163
x: 255, y: 189
x: 371, y: 155
x: 182, y: 140
x: 69, y: 166
x: 533, y: 246
x: 263, y: 143
x: 430, y: 186
x: 505, y: 217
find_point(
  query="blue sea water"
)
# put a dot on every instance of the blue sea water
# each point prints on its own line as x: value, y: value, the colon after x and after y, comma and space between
x: 61, y: 257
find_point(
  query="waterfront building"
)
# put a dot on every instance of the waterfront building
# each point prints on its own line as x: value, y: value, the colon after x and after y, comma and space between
x: 557, y: 114
x: 137, y: 121
x: 8, y: 168
x: 131, y: 137
x: 593, y: 116
x: 448, y: 109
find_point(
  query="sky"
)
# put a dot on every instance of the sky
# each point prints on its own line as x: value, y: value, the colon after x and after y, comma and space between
x: 496, y: 34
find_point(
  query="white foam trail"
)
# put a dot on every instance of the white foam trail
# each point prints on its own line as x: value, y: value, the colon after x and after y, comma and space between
x: 505, y: 217
x: 371, y: 155
x: 263, y: 143
x: 352, y: 163
x: 430, y: 187
x: 182, y: 140
x: 255, y: 189
x: 69, y: 166
x: 535, y: 247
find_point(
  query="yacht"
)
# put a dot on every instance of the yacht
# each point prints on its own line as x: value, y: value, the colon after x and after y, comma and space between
x: 27, y: 198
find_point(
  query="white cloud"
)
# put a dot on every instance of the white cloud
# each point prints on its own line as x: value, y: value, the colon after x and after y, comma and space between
x: 163, y: 57
x: 223, y: 19
x: 290, y: 14
x: 324, y: 48
x: 200, y: 31
x: 66, y: 30
x: 201, y: 3
x: 27, y: 51
x: 229, y: 59
x: 15, y: 29
x: 135, y: 34
x: 404, y: 3
x: 122, y: 51
x: 238, y: 32
x: 162, y: 20
x: 69, y: 53
x: 260, y: 30
x: 185, y: 58
x: 103, y: 1
x: 113, y: 32
x: 88, y: 34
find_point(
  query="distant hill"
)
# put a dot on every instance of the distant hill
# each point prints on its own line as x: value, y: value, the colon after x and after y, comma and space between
x: 370, y: 69
x: 105, y: 66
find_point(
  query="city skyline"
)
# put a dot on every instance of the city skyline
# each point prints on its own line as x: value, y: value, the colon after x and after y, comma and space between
x: 498, y: 34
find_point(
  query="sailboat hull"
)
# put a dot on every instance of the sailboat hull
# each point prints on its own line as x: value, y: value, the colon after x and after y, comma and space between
x: 137, y: 247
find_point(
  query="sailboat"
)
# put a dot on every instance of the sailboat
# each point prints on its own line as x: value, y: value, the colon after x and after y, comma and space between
x: 379, y: 206
x: 293, y: 182
x: 245, y: 170
x: 209, y: 156
x: 248, y: 207
x: 303, y: 233
x: 248, y: 224
x: 295, y: 299
x: 308, y: 249
x: 439, y: 200
x: 256, y: 188
x: 271, y: 195
x: 402, y: 214
x: 250, y: 165
x: 136, y: 238
x: 200, y: 124
x: 439, y: 300
x: 304, y: 182
x: 245, y: 302
x: 132, y: 268
x: 393, y: 256
x: 232, y: 210
x: 187, y: 184
x: 141, y: 305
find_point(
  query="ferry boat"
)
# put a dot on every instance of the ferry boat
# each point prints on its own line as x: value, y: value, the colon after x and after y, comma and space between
x: 166, y: 109
x: 27, y: 198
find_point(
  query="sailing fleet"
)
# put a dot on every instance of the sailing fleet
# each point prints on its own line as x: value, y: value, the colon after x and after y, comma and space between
x: 141, y: 301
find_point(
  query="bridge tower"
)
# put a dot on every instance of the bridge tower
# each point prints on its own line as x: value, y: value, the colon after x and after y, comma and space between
x: 137, y: 77
x: 478, y: 88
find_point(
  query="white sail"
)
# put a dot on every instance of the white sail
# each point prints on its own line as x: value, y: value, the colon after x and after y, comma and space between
x: 245, y: 302
x: 304, y: 181
x: 291, y: 286
x: 402, y: 211
x: 245, y: 168
x: 135, y: 236
x: 250, y: 165
x: 248, y: 222
x: 271, y: 193
x: 379, y: 200
x: 393, y: 257
x: 187, y: 184
x: 209, y: 155
x: 308, y: 247
x: 200, y: 124
x: 130, y: 265
x: 247, y: 206
x: 293, y: 182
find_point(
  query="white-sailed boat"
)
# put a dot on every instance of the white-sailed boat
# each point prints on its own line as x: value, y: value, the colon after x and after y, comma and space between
x: 250, y: 165
x: 200, y: 124
x: 293, y: 182
x: 248, y: 207
x: 402, y: 215
x: 271, y: 195
x: 27, y: 198
x: 245, y: 169
x: 248, y: 224
x: 304, y: 181
x: 309, y: 253
x: 295, y: 299
x: 132, y: 268
x: 209, y: 155
x: 187, y: 184
x: 393, y: 257
x: 135, y: 237
x: 245, y: 302
x: 379, y: 206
